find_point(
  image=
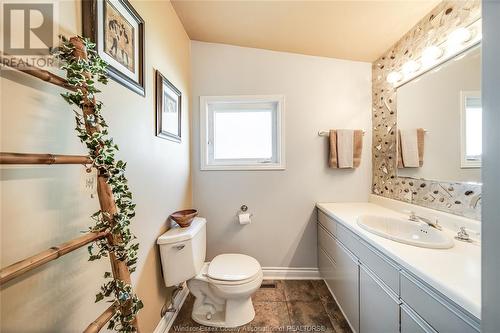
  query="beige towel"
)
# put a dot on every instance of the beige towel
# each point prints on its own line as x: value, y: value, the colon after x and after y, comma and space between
x: 420, y: 143
x: 400, y: 154
x: 332, y: 160
x: 358, y: 147
x: 411, y: 155
x: 345, y: 148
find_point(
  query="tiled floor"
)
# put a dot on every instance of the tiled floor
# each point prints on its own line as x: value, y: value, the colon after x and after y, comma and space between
x: 293, y: 305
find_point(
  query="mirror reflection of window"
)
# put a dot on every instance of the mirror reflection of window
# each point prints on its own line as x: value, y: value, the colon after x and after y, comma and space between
x: 472, y: 129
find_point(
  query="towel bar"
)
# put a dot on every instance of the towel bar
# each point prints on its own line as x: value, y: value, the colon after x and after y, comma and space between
x: 327, y: 133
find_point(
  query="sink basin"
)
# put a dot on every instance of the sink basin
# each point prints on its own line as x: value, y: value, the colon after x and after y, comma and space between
x: 405, y: 231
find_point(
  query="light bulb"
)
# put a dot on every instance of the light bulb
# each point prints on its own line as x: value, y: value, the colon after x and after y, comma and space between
x: 394, y: 77
x: 430, y: 54
x: 459, y: 36
x: 410, y: 66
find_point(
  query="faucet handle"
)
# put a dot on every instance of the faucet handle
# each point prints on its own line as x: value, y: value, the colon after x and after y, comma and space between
x: 462, y: 235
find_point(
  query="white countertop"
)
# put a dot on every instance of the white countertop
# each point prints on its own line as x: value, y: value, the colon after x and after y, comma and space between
x: 455, y: 272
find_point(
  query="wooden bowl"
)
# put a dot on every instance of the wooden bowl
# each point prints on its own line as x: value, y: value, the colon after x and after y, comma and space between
x: 184, y: 217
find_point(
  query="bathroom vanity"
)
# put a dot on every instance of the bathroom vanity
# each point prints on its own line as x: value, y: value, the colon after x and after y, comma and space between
x: 383, y: 286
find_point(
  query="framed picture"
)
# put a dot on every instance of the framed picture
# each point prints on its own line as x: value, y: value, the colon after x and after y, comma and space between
x: 168, y: 109
x: 118, y: 31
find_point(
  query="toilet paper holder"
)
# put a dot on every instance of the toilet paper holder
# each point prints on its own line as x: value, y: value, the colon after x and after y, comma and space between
x: 243, y: 209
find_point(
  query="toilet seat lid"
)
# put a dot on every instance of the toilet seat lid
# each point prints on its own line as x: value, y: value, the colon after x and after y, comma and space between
x: 233, y: 267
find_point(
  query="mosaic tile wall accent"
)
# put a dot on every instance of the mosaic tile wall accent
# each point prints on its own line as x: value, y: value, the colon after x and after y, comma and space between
x: 456, y: 198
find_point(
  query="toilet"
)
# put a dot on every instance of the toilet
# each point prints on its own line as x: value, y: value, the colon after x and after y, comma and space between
x: 222, y: 288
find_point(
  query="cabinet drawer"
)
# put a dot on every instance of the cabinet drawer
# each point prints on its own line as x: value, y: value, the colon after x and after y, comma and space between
x: 443, y: 316
x: 329, y: 223
x: 412, y: 323
x: 378, y: 305
x: 382, y: 267
x: 327, y: 242
x: 348, y: 239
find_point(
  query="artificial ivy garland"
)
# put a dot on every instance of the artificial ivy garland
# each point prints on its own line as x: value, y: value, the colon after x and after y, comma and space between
x: 82, y: 74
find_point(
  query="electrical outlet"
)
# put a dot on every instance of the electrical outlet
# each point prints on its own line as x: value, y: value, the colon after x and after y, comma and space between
x: 88, y: 182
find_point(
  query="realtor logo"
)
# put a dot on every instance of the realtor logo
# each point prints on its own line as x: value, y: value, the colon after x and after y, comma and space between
x: 28, y: 28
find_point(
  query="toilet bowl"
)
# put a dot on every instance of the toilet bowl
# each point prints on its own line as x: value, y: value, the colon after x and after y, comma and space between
x: 222, y: 288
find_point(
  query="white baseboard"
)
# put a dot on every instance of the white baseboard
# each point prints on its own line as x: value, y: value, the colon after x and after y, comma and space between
x: 291, y: 273
x: 166, y: 322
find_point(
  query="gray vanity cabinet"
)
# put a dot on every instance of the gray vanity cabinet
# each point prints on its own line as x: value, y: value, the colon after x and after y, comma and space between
x: 340, y: 270
x: 378, y: 305
x: 376, y: 294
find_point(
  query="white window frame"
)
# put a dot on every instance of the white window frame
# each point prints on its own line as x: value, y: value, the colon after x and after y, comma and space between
x: 206, y: 152
x: 464, y: 162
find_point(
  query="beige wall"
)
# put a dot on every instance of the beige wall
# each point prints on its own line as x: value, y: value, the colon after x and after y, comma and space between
x: 42, y: 206
x: 320, y: 93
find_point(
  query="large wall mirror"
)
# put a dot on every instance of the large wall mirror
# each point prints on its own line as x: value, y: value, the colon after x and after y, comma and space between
x: 439, y: 121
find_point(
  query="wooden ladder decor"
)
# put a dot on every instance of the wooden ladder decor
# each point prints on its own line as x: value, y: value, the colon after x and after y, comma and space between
x: 120, y: 270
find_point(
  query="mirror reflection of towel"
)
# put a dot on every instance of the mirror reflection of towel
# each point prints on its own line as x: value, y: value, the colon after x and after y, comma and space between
x: 411, y: 148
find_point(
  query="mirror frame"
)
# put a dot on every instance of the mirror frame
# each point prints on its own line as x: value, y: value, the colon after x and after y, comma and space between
x: 460, y: 198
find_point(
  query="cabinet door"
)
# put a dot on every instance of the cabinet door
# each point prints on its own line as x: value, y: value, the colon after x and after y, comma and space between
x: 412, y: 323
x: 378, y: 305
x: 346, y: 285
x: 327, y: 268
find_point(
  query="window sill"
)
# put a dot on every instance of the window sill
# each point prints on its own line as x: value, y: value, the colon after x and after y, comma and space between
x: 253, y: 167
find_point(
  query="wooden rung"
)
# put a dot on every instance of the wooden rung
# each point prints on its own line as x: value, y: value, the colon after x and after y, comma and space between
x: 42, y: 74
x: 26, y: 265
x: 18, y: 158
x: 99, y: 323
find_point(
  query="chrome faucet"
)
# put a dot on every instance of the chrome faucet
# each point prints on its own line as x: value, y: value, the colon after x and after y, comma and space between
x: 475, y: 200
x: 416, y: 218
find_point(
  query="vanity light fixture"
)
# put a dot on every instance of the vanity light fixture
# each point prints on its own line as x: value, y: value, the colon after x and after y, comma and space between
x: 459, y: 36
x: 394, y: 77
x: 430, y: 54
x: 409, y: 67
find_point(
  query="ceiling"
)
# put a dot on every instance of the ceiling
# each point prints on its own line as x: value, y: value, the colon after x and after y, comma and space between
x: 354, y: 30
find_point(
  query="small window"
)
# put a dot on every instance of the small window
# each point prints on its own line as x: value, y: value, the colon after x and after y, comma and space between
x: 472, y: 129
x: 241, y: 132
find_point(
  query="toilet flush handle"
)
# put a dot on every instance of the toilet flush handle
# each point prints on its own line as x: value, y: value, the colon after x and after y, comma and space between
x: 179, y: 247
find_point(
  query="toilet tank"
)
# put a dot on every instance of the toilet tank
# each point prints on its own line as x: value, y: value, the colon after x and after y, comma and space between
x: 182, y: 251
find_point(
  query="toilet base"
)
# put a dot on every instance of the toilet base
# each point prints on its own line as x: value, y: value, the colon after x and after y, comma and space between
x: 222, y: 305
x: 233, y: 314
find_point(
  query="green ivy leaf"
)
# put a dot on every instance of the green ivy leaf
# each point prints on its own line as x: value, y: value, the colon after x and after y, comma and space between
x: 99, y: 297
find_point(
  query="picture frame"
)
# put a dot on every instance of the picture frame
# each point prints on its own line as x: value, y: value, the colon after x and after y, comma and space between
x: 118, y: 31
x: 168, y: 109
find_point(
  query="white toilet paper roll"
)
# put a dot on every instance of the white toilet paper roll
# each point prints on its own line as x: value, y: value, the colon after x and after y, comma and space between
x: 244, y: 218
